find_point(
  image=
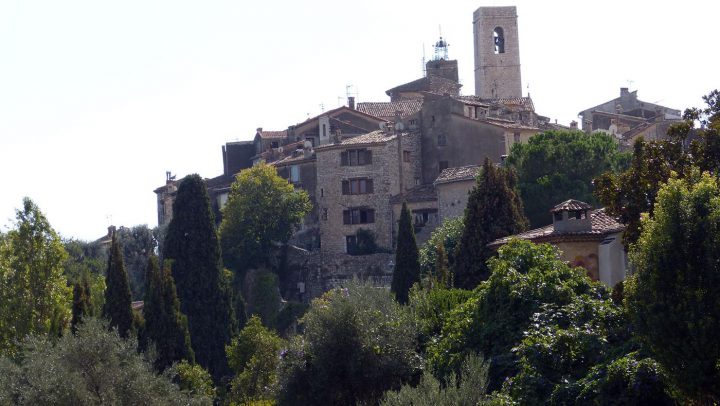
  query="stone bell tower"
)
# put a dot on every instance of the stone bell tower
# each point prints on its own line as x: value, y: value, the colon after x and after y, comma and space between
x: 497, y: 53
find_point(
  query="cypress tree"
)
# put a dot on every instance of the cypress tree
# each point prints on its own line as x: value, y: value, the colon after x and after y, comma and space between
x: 407, y: 265
x: 442, y: 272
x: 81, y: 302
x: 494, y: 210
x: 118, y: 304
x: 165, y: 325
x: 192, y: 244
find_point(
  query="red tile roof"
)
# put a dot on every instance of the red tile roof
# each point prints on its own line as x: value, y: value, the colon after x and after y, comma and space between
x: 456, y: 174
x: 602, y: 225
x: 388, y: 109
x: 571, y: 205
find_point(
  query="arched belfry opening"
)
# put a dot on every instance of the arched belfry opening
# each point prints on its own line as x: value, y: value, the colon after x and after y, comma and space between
x: 499, y: 40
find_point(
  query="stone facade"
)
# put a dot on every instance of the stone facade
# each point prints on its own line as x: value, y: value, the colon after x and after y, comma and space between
x: 354, y: 196
x: 624, y: 113
x: 497, y: 53
x: 453, y: 186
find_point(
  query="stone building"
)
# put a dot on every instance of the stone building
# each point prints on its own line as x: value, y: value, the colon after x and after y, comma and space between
x: 497, y: 53
x: 585, y: 237
x: 356, y: 178
x: 453, y: 186
x: 628, y: 118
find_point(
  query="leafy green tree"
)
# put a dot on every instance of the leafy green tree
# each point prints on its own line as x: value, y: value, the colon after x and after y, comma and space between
x: 254, y: 356
x: 193, y: 379
x: 358, y: 342
x: 34, y: 296
x: 448, y: 235
x: 629, y: 194
x: 523, y: 278
x: 86, y: 264
x: 205, y: 298
x: 81, y: 305
x: 407, y: 267
x: 431, y: 307
x: 263, y: 298
x: 165, y: 325
x: 118, y: 305
x: 92, y: 367
x: 558, y: 165
x: 262, y: 209
x: 494, y: 210
x: 468, y: 388
x: 673, y: 296
x: 138, y: 243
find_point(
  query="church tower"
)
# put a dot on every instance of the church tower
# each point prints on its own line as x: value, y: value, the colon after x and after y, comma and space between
x: 497, y: 53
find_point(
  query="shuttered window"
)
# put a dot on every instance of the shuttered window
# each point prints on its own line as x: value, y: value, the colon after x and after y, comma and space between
x: 358, y: 186
x: 356, y: 157
x: 358, y: 215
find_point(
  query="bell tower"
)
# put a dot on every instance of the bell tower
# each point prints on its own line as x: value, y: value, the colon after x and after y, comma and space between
x: 497, y: 53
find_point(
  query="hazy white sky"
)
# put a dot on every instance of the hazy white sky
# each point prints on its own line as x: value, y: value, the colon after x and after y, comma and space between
x: 99, y: 98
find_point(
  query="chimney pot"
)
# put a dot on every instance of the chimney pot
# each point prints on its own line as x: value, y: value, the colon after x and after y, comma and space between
x: 351, y: 102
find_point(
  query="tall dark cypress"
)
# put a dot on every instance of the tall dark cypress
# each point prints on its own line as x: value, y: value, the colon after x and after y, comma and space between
x: 494, y: 210
x: 81, y: 301
x: 192, y: 245
x: 407, y: 265
x: 118, y: 304
x: 165, y: 325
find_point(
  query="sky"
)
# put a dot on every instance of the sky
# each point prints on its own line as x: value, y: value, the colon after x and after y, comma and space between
x: 98, y: 99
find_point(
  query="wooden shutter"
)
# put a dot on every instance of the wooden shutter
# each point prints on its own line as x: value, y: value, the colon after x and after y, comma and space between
x: 345, y: 187
x: 344, y: 158
x: 371, y: 216
x: 368, y: 157
x: 370, y: 186
x: 346, y: 216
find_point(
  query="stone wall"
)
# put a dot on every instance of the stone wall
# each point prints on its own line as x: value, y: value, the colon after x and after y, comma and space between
x: 496, y: 75
x: 331, y: 202
x: 453, y: 198
x: 467, y: 141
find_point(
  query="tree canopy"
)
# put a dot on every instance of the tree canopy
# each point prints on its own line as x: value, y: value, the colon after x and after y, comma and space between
x: 118, y: 303
x: 407, y: 267
x: 205, y: 297
x: 262, y: 209
x: 558, y: 165
x: 34, y: 296
x: 494, y: 210
x: 673, y: 295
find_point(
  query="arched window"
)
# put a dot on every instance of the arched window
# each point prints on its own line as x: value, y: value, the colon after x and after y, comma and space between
x: 499, y: 39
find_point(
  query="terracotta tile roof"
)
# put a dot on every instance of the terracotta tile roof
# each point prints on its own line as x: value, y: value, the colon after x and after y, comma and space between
x: 432, y: 84
x: 373, y: 137
x: 457, y: 174
x: 422, y: 193
x: 499, y: 122
x: 388, y: 109
x: 570, y: 205
x: 272, y: 134
x: 602, y: 225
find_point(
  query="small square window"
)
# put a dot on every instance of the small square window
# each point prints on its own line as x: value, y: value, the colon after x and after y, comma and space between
x: 441, y: 140
x: 406, y: 156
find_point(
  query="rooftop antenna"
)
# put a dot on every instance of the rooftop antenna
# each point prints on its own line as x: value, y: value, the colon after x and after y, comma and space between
x: 322, y: 107
x: 630, y: 82
x: 422, y: 68
x: 528, y: 90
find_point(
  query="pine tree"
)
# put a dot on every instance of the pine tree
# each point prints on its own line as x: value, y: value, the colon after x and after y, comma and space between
x: 494, y: 210
x: 165, y: 325
x: 118, y: 304
x: 407, y: 265
x: 205, y: 298
x: 81, y: 305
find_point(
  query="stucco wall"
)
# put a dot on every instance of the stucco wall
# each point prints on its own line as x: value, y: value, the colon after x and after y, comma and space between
x: 453, y: 198
x: 581, y: 253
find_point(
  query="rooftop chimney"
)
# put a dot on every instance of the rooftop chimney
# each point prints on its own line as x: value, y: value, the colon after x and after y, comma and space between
x: 573, y: 125
x: 351, y: 102
x: 259, y: 129
x: 624, y: 91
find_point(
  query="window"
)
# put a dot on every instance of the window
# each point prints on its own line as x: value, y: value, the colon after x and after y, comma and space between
x: 322, y: 192
x: 294, y: 174
x: 516, y: 137
x: 499, y: 40
x: 325, y: 213
x: 558, y: 216
x: 350, y: 244
x: 443, y: 165
x: 324, y: 130
x: 441, y: 140
x: 359, y: 186
x: 355, y: 157
x: 358, y: 215
x: 274, y: 144
x: 406, y: 156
